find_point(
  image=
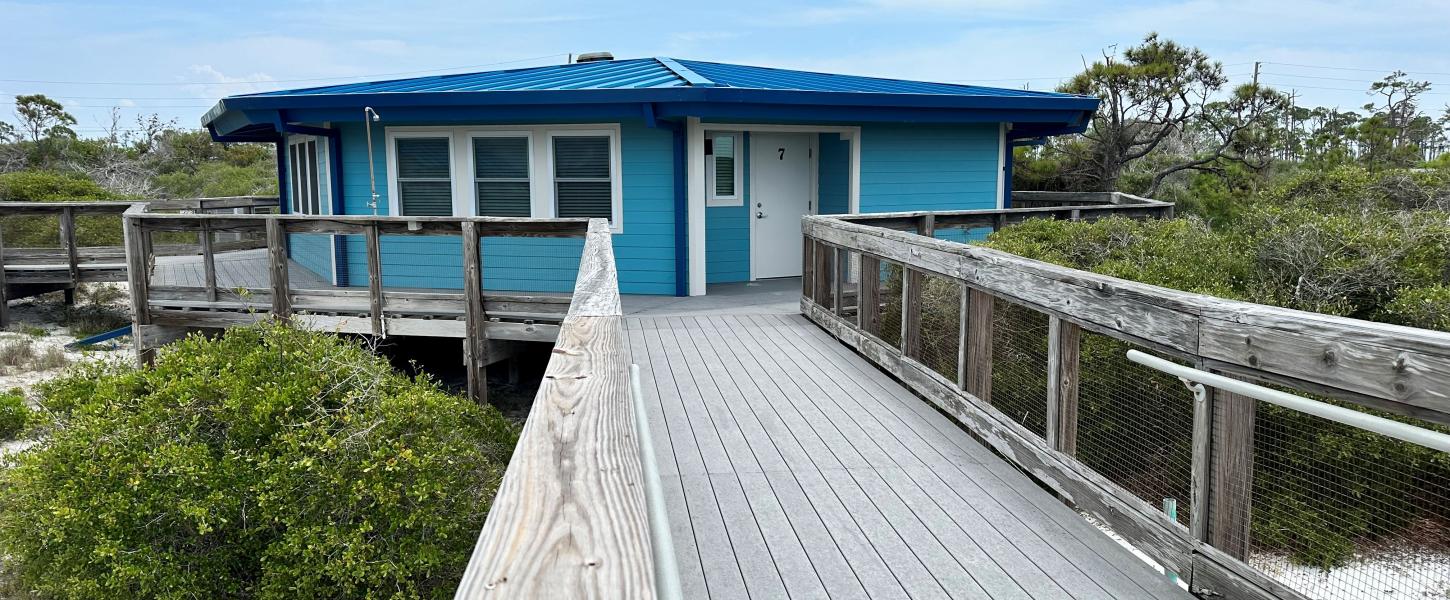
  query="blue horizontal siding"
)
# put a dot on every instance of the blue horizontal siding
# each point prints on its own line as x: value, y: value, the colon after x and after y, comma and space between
x: 833, y: 182
x: 644, y: 252
x: 928, y: 167
x: 727, y: 232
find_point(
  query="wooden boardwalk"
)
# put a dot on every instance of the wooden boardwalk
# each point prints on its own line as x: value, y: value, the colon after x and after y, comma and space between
x: 793, y: 468
x: 236, y: 269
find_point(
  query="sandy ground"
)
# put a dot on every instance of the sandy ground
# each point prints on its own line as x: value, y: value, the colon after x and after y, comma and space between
x: 1409, y: 576
x: 28, y: 318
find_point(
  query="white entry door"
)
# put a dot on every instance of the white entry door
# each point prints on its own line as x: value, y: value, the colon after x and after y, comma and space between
x: 780, y: 194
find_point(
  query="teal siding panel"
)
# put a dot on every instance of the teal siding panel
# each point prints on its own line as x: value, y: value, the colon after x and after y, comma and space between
x: 313, y: 252
x: 727, y: 232
x: 644, y: 252
x: 833, y: 181
x: 928, y: 167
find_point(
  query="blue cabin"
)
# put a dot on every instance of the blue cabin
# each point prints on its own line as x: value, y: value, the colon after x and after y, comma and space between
x: 703, y: 169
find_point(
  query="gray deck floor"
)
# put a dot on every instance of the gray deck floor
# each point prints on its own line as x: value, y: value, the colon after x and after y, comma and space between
x: 793, y: 468
x: 236, y: 269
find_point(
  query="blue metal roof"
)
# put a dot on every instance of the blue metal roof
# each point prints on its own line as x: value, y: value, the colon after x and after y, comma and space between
x: 653, y: 88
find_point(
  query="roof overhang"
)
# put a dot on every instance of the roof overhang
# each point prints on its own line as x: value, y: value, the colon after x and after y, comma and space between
x: 260, y: 116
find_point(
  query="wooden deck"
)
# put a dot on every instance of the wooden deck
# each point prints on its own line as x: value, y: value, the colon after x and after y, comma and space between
x: 236, y: 269
x: 793, y: 468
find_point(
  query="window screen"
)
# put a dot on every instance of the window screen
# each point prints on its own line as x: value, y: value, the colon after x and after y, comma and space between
x: 501, y: 176
x: 582, y: 185
x: 424, y: 184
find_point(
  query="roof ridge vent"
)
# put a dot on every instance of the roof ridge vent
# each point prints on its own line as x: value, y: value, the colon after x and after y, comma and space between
x: 589, y: 57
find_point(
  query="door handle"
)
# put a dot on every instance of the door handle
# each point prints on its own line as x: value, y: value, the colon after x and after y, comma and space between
x: 760, y: 214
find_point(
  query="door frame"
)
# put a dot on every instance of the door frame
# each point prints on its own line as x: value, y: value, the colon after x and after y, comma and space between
x: 812, y: 175
x: 850, y: 133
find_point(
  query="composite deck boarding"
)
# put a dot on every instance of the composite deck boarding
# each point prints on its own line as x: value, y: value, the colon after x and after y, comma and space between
x: 794, y: 468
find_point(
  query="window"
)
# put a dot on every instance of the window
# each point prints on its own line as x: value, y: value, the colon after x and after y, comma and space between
x: 307, y: 175
x: 722, y: 177
x: 425, y: 183
x: 583, y: 186
x: 501, y: 175
x: 543, y: 171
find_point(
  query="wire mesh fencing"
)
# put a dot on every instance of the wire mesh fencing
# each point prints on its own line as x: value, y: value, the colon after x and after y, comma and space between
x: 1019, y: 364
x: 891, y: 278
x: 1338, y: 513
x: 941, y: 311
x: 1135, y: 425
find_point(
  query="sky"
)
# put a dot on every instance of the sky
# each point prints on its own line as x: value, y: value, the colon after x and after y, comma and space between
x: 175, y: 59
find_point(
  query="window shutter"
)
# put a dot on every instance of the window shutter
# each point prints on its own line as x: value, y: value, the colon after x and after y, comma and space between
x: 424, y: 187
x: 582, y: 185
x: 725, y: 165
x: 501, y: 172
x: 314, y: 201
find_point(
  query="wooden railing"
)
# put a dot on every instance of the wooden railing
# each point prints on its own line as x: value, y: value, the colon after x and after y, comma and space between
x: 1384, y: 367
x: 165, y: 311
x: 27, y: 270
x: 570, y: 518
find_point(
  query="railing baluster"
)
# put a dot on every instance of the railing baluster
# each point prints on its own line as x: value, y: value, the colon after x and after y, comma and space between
x: 1230, y: 484
x: 1201, y: 463
x: 375, y: 278
x: 277, y: 259
x: 964, y: 298
x: 1063, y: 348
x: 868, y: 300
x: 822, y: 271
x: 808, y: 280
x: 476, y: 342
x: 979, y: 345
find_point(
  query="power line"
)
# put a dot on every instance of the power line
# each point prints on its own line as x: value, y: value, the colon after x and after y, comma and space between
x: 1338, y: 89
x: 1338, y: 78
x: 245, y: 81
x: 1355, y: 69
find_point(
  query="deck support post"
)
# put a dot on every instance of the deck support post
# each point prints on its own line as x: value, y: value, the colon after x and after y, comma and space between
x: 979, y: 345
x: 1231, y: 472
x: 1063, y: 349
x: 208, y: 259
x: 808, y: 280
x: 914, y: 281
x: 4, y: 293
x: 375, y: 278
x: 68, y: 238
x: 475, y: 341
x: 868, y: 301
x: 277, y: 272
x: 137, y: 280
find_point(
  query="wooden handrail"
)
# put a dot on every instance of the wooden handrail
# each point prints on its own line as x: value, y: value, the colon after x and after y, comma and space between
x: 1379, y: 366
x: 570, y: 518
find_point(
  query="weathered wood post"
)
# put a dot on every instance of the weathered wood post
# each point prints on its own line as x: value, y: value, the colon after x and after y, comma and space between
x: 72, y: 254
x: 808, y: 267
x: 1231, y: 472
x: 979, y: 345
x: 1063, y: 348
x: 138, y: 280
x: 277, y: 272
x: 822, y: 270
x: 208, y: 259
x: 375, y: 278
x: 475, y: 342
x: 913, y: 281
x: 868, y: 300
x: 4, y: 295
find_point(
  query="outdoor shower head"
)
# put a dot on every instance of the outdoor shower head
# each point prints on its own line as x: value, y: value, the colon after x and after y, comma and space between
x: 368, y: 110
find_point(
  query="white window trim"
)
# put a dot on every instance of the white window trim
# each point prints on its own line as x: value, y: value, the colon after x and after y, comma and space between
x: 324, y: 173
x: 472, y: 209
x: 616, y: 186
x: 738, y: 198
x: 541, y: 163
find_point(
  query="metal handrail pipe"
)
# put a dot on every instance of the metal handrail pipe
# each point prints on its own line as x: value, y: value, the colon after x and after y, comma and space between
x: 1353, y: 418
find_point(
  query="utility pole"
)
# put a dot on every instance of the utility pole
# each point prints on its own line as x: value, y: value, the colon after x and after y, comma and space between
x: 1292, y: 148
x: 1256, y: 75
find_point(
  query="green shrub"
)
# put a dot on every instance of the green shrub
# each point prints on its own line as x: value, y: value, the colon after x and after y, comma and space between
x: 266, y: 463
x: 14, y: 414
x: 50, y: 186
